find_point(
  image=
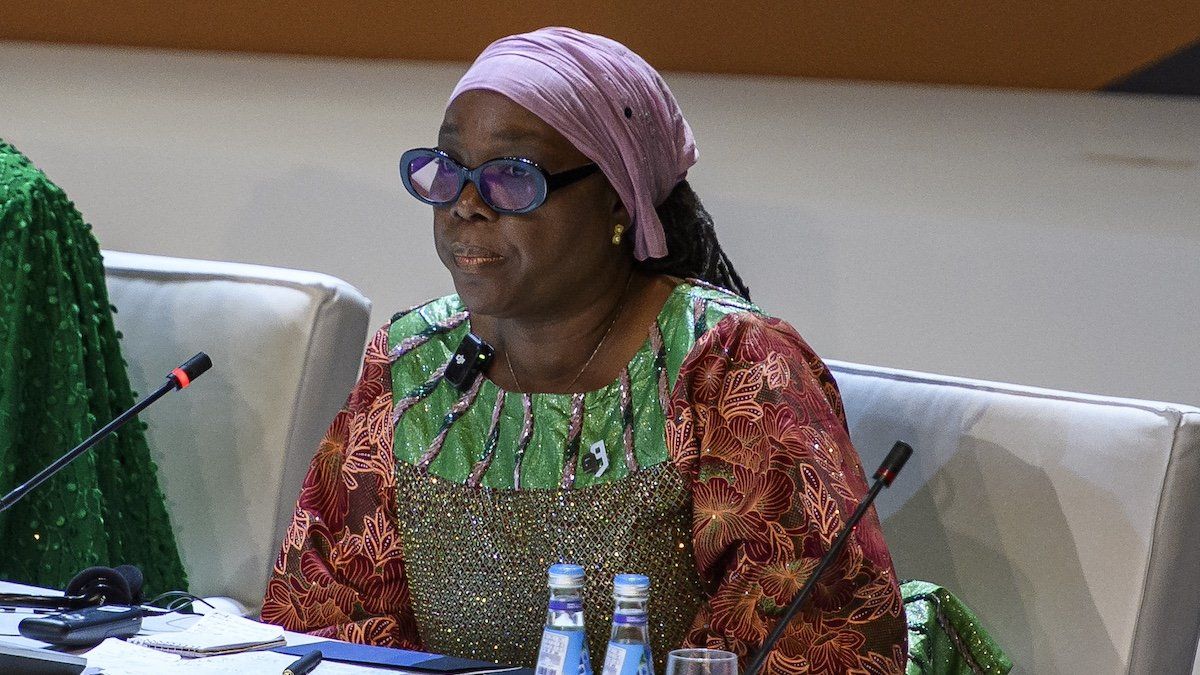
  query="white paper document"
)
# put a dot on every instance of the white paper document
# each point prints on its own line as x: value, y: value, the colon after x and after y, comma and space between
x: 117, y: 657
x: 215, y: 633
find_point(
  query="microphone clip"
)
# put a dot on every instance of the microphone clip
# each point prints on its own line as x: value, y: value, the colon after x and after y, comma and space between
x: 470, y: 360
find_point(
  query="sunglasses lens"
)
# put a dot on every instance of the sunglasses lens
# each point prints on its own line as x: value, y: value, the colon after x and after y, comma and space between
x: 434, y: 178
x: 511, y: 185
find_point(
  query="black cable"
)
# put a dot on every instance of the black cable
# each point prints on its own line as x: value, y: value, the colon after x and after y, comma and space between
x: 175, y: 596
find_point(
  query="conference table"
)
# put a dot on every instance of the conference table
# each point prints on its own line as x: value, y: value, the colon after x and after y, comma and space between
x: 258, y: 662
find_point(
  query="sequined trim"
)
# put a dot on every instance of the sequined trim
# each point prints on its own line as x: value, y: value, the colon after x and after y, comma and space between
x: 571, y: 452
x: 455, y: 412
x: 417, y: 393
x: 699, y: 306
x: 489, y: 446
x: 526, y: 435
x: 660, y: 367
x: 728, y: 297
x: 417, y: 339
x: 960, y: 644
x: 627, y: 421
x: 405, y: 312
x: 697, y: 281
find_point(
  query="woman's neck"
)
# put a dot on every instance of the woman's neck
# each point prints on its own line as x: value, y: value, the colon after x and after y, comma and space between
x: 573, y: 351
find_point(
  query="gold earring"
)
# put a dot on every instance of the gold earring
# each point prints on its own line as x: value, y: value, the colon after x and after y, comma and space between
x: 617, y: 232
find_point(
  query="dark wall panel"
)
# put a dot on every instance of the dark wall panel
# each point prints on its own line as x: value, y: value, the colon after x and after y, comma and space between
x: 1071, y: 44
x: 1177, y: 74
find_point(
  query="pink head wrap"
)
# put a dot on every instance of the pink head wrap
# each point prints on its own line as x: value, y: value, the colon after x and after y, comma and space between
x: 609, y: 103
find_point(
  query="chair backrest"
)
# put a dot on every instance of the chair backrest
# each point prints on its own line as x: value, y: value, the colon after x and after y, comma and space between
x: 233, y: 448
x: 1070, y: 523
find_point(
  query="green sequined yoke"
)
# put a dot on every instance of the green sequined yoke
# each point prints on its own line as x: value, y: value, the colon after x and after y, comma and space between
x: 494, y: 486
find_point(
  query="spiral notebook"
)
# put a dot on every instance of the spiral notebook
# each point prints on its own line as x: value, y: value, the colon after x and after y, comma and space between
x: 215, y: 634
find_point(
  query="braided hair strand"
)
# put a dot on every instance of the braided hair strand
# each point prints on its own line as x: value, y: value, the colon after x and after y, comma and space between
x: 692, y: 247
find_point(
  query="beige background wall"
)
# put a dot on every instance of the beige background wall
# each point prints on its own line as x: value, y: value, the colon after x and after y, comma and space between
x: 1036, y: 237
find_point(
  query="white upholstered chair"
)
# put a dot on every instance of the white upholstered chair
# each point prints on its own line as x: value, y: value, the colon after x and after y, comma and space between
x: 233, y: 448
x: 1069, y: 523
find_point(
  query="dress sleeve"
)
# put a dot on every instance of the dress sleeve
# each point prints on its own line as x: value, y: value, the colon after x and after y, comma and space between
x: 340, y: 573
x: 756, y: 422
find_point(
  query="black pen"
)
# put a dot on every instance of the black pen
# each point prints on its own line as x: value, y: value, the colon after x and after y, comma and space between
x: 305, y: 665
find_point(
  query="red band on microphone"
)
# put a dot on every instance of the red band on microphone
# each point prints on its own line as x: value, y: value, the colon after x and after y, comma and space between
x: 887, y: 476
x: 181, y: 377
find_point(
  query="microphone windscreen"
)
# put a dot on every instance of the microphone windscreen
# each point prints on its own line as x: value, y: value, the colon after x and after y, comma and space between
x: 135, y: 579
x: 894, y: 461
x: 196, y: 366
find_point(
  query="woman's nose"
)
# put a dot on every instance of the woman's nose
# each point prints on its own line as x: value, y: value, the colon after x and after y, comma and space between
x: 470, y: 205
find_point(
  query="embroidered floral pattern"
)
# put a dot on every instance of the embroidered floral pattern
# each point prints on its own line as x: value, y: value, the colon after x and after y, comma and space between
x: 340, y: 573
x: 755, y: 421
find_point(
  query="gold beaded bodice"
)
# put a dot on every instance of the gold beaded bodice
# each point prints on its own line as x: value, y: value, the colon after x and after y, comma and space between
x: 476, y: 559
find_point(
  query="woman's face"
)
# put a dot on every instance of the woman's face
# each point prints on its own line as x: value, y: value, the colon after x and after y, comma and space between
x: 534, y: 263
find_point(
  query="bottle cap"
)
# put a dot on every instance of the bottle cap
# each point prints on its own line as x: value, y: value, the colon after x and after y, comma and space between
x: 631, y: 585
x: 566, y: 575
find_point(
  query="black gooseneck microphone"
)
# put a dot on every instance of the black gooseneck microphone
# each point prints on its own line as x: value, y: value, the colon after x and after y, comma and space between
x: 99, y: 585
x: 177, y: 379
x: 884, y: 476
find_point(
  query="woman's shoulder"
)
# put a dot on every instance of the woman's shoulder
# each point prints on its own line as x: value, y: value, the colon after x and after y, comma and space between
x: 729, y: 323
x: 423, y: 317
x: 30, y: 199
x: 419, y: 340
x: 693, y: 308
x: 17, y: 173
x: 696, y: 307
x: 714, y: 298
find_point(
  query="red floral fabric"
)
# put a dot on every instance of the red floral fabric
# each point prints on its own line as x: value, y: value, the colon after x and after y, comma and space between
x: 340, y: 573
x: 755, y: 420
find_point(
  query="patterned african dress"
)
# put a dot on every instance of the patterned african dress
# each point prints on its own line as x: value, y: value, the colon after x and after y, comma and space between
x: 718, y: 463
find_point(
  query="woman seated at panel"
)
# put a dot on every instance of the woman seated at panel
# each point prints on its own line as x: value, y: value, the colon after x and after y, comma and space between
x: 640, y: 414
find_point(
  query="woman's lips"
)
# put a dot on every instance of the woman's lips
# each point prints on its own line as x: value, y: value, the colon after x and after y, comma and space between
x: 465, y: 261
x: 471, y: 258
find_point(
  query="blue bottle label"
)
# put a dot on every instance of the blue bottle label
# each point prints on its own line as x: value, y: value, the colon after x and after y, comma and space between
x: 563, y: 653
x: 630, y: 619
x: 572, y: 605
x: 626, y: 659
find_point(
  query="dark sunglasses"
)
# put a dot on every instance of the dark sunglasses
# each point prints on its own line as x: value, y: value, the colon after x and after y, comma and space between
x: 507, y: 184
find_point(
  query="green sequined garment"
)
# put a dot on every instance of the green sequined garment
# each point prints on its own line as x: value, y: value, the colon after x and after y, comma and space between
x: 490, y: 482
x: 946, y: 637
x: 61, y: 378
x: 497, y: 439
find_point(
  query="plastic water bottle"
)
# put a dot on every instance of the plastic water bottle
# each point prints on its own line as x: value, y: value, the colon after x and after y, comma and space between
x: 564, y: 648
x: 629, y: 642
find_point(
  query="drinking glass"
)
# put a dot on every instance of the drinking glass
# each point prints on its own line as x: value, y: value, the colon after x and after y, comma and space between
x: 701, y: 662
